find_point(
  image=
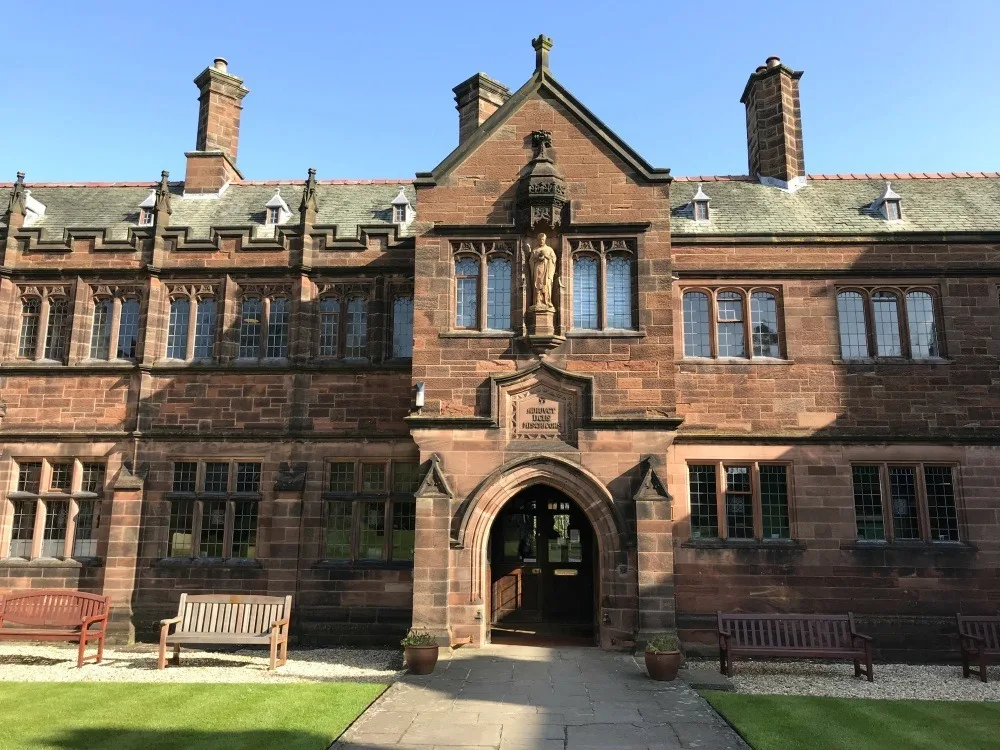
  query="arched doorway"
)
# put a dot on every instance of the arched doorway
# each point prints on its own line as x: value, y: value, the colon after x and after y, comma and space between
x: 541, y: 567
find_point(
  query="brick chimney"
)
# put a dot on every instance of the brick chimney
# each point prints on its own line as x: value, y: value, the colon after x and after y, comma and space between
x: 476, y: 99
x: 774, y: 125
x: 213, y: 162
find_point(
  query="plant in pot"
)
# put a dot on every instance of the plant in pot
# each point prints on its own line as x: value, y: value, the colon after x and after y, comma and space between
x: 663, y: 657
x: 420, y: 650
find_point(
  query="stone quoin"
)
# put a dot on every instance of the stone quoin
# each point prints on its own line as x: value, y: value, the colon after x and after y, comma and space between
x: 542, y: 392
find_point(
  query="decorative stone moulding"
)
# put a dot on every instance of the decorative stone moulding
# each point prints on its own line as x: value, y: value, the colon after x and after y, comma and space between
x: 542, y: 191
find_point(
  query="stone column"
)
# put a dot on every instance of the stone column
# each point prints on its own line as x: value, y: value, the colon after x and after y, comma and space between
x: 283, y: 514
x: 654, y: 529
x: 431, y: 554
x: 122, y: 514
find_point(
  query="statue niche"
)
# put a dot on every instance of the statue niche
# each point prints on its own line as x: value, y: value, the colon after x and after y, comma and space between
x: 542, y: 260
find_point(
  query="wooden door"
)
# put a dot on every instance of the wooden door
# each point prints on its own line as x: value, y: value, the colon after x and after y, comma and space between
x: 515, y: 570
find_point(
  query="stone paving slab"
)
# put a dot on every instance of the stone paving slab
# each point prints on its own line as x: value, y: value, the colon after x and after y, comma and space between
x: 527, y: 698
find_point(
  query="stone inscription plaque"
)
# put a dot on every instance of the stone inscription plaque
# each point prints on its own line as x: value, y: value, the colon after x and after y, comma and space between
x: 538, y: 418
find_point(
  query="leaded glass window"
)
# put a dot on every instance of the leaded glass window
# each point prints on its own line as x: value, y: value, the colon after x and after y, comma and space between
x: 923, y: 327
x: 941, y: 510
x: 739, y: 503
x: 774, y: 501
x: 619, y: 292
x: 730, y: 324
x: 498, y: 294
x: 466, y: 292
x: 585, y: 300
x: 277, y: 328
x: 204, y: 328
x: 697, y: 334
x: 128, y: 329
x: 357, y: 328
x: 100, y: 335
x: 853, y: 328
x: 704, y: 511
x: 885, y: 308
x: 905, y: 520
x: 371, y: 542
x: 30, y: 314
x: 57, y: 329
x: 251, y: 316
x: 402, y: 327
x: 329, y: 326
x: 177, y: 328
x: 764, y: 324
x: 903, y: 495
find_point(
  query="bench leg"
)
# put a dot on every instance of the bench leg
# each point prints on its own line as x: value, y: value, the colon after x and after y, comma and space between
x: 983, y: 669
x: 965, y: 664
x: 80, y: 650
x: 868, y: 662
x: 274, y: 653
x: 284, y: 651
x: 729, y: 665
x: 722, y: 661
x: 857, y: 667
x: 100, y: 648
x: 176, y: 658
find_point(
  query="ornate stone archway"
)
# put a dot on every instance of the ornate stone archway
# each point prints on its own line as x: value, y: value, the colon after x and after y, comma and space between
x: 616, y: 579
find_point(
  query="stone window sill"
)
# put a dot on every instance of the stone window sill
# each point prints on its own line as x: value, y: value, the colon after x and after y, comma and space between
x: 472, y: 334
x: 611, y: 333
x: 213, y: 563
x: 897, y: 361
x: 332, y: 564
x: 789, y: 545
x: 917, y: 547
x: 49, y: 563
x: 727, y: 361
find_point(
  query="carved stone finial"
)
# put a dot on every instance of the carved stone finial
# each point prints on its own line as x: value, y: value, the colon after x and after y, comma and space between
x: 542, y: 190
x: 163, y: 194
x: 542, y: 45
x: 309, y: 193
x: 18, y: 198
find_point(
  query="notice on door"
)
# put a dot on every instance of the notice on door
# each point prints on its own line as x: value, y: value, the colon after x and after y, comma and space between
x: 538, y: 418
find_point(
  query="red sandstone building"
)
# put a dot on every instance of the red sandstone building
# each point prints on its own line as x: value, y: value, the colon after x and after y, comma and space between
x: 395, y: 401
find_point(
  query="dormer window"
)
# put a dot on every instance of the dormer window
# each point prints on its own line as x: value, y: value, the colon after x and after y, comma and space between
x: 402, y: 211
x: 147, y: 210
x: 700, y: 204
x: 889, y: 204
x: 276, y: 211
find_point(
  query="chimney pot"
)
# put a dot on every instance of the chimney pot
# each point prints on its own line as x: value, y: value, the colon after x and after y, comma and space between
x: 221, y: 64
x: 773, y: 61
x: 760, y: 69
x: 213, y: 162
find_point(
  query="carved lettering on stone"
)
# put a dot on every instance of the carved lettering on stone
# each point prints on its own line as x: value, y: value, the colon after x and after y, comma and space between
x: 541, y: 415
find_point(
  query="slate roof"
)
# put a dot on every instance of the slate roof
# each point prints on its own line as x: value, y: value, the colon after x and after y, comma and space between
x: 838, y: 204
x: 116, y: 206
x: 829, y: 204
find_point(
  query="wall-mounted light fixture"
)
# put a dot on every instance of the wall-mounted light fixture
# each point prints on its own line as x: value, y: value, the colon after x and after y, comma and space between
x: 418, y: 399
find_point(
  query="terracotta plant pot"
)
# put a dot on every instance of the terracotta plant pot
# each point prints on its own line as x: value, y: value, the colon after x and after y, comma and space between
x: 421, y: 659
x: 663, y: 665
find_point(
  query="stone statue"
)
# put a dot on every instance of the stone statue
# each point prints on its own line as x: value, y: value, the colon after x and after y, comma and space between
x: 543, y: 271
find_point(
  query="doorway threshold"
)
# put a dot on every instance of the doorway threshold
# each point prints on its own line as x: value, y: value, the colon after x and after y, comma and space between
x: 543, y: 634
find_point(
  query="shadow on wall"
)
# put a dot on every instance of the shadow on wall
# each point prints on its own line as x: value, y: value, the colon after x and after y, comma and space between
x: 113, y: 738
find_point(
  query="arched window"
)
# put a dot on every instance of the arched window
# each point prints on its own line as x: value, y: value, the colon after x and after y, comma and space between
x: 329, y: 326
x: 128, y: 329
x: 57, y: 329
x: 357, y: 328
x: 853, y: 327
x: 498, y: 294
x: 697, y: 335
x: 922, y: 326
x: 100, y: 334
x: 585, y: 302
x: 251, y: 315
x: 31, y: 308
x: 204, y: 328
x: 885, y: 311
x: 619, y: 293
x: 730, y: 324
x: 466, y: 292
x: 764, y: 324
x: 402, y: 327
x: 277, y: 327
x: 177, y: 328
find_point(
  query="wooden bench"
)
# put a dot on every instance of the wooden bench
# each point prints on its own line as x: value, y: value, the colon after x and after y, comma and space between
x: 206, y: 619
x: 979, y: 639
x: 56, y: 615
x: 793, y: 636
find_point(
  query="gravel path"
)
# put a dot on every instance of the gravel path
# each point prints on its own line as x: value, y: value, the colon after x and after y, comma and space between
x: 835, y: 679
x: 57, y: 663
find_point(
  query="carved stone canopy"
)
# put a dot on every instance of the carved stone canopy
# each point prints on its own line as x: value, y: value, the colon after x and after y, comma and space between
x: 541, y: 192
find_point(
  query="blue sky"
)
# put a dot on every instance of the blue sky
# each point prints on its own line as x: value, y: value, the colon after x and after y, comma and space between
x: 104, y: 91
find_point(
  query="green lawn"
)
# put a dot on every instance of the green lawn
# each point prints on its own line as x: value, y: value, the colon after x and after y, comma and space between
x: 780, y: 722
x: 135, y: 716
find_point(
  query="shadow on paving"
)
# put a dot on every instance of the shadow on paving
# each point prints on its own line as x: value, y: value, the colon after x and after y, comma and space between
x: 115, y: 738
x: 536, y: 698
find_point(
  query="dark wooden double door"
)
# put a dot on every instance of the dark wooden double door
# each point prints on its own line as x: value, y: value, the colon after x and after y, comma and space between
x: 541, y: 561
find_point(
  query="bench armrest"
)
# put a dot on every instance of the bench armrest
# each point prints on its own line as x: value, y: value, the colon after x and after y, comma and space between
x: 970, y: 637
x: 88, y: 621
x: 279, y: 624
x: 862, y: 637
x: 170, y: 621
